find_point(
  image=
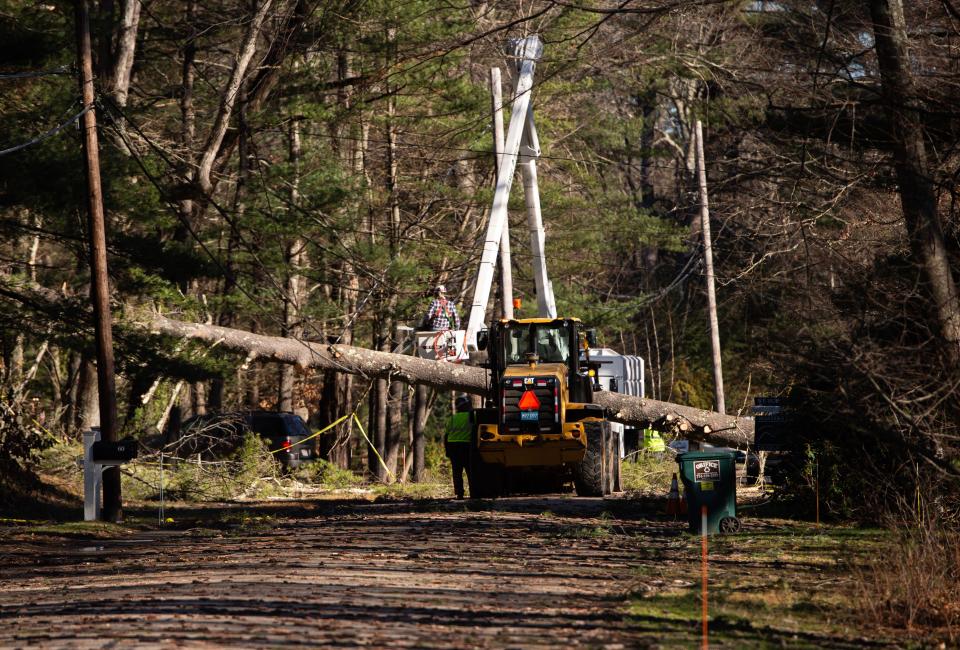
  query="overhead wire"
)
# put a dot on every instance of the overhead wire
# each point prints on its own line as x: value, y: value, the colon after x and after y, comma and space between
x: 32, y: 74
x: 682, y: 275
x: 45, y: 136
x: 193, y: 234
x: 222, y: 211
x: 483, y: 152
x: 510, y: 97
x: 553, y: 73
x: 377, y: 282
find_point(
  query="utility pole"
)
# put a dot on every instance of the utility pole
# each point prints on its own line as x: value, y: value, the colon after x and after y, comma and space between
x: 99, y: 289
x: 708, y: 262
x: 506, y: 268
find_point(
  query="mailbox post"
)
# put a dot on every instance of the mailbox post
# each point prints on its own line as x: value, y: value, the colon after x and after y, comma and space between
x: 92, y: 477
x: 97, y: 454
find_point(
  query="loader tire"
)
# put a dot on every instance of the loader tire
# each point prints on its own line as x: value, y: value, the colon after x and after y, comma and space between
x: 590, y: 476
x: 612, y: 461
x: 484, y: 479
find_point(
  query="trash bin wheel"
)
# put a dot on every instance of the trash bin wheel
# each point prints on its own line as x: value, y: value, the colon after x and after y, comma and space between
x: 729, y: 525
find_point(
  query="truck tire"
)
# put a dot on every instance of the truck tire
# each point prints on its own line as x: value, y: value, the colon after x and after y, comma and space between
x: 589, y: 476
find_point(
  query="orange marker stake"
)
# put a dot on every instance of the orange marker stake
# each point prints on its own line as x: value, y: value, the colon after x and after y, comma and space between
x: 703, y: 538
x: 817, y: 479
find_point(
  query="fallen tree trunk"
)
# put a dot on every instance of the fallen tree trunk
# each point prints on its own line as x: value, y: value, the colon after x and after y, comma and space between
x: 685, y: 421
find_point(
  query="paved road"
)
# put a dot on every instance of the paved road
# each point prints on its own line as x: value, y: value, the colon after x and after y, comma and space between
x: 522, y: 573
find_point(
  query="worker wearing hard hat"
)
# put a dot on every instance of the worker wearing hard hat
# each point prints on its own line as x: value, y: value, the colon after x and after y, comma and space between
x: 442, y: 314
x: 456, y: 442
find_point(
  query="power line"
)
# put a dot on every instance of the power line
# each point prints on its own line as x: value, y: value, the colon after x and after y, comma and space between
x: 197, y: 238
x: 46, y: 136
x: 65, y: 69
x: 647, y: 301
x: 376, y: 282
x: 483, y: 152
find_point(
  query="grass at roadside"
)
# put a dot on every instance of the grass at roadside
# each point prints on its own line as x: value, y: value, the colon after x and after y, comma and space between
x: 249, y: 473
x: 776, y: 583
x: 647, y: 473
x: 83, y: 529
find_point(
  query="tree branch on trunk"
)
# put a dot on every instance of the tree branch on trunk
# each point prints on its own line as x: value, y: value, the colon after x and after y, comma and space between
x: 693, y: 423
x: 229, y: 96
x: 685, y: 420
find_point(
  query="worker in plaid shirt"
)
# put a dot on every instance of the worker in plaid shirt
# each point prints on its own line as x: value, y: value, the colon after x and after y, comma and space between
x: 442, y: 313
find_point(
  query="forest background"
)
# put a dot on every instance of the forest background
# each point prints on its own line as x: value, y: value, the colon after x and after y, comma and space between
x: 311, y: 169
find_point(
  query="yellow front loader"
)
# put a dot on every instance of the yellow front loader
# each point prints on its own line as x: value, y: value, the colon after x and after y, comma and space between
x: 540, y: 429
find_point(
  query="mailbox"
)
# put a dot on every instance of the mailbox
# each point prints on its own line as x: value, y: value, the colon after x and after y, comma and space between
x: 114, y: 453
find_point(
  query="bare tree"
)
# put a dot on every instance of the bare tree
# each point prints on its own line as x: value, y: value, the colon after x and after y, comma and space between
x: 917, y: 192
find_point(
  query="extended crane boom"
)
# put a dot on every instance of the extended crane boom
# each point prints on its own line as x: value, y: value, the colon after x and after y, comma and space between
x: 522, y: 133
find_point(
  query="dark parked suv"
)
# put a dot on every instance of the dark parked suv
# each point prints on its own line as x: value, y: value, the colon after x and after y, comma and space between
x: 283, y: 432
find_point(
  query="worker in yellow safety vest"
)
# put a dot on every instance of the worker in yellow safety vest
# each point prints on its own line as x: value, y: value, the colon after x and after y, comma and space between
x: 456, y: 442
x: 653, y: 441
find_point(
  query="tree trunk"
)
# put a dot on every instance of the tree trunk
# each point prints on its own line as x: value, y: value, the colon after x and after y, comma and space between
x: 56, y: 384
x: 342, y: 381
x: 380, y: 396
x: 88, y: 402
x: 395, y: 429
x: 296, y: 259
x: 419, y: 435
x: 229, y: 96
x: 15, y: 372
x: 187, y: 117
x: 71, y: 410
x: 118, y: 85
x: 141, y: 383
x: 198, y: 394
x: 376, y: 430
x: 327, y: 444
x: 695, y: 423
x: 917, y: 193
x: 718, y: 399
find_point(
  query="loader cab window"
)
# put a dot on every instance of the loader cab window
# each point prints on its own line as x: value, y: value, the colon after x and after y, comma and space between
x: 551, y: 342
x: 516, y: 344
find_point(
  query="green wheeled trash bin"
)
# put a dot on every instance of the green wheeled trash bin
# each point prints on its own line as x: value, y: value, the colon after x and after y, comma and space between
x: 710, y: 479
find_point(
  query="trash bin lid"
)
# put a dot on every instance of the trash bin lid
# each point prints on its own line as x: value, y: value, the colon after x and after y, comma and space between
x: 719, y: 454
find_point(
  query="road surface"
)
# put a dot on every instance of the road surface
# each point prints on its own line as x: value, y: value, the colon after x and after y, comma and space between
x: 512, y: 573
x: 554, y: 572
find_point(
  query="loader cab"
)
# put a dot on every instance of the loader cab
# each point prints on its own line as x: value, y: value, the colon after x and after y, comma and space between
x: 549, y: 342
x: 543, y: 343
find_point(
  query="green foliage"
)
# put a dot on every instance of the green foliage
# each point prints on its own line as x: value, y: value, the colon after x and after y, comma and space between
x: 31, y: 34
x: 249, y: 472
x: 436, y: 461
x: 21, y: 443
x: 326, y: 474
x: 648, y: 473
x: 253, y: 459
x: 694, y: 388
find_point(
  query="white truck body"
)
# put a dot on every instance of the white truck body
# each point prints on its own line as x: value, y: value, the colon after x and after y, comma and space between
x: 619, y: 373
